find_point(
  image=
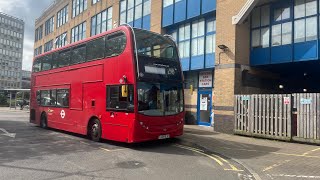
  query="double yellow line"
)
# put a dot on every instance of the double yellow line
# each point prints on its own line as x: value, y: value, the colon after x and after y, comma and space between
x: 227, y: 166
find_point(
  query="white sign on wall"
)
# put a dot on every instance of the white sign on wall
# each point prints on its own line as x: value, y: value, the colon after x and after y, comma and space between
x: 205, y: 79
x: 204, y: 104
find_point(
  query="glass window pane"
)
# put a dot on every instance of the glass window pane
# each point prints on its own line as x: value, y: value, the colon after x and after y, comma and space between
x: 138, y: 12
x: 186, y: 49
x: 209, y: 43
x: 201, y: 28
x: 265, y: 37
x: 95, y: 49
x: 194, y: 29
x: 130, y: 4
x: 311, y: 29
x: 277, y: 15
x: 201, y: 46
x: 167, y: 3
x: 115, y: 44
x: 181, y: 33
x: 265, y: 15
x: 286, y: 33
x: 256, y: 18
x: 255, y: 38
x: 276, y: 35
x: 299, y: 31
x: 147, y: 8
x: 194, y: 46
x: 286, y: 13
x: 210, y: 26
x: 130, y: 16
x: 299, y: 9
x: 181, y: 49
x: 123, y: 6
x: 122, y: 18
x: 311, y: 7
x: 187, y: 31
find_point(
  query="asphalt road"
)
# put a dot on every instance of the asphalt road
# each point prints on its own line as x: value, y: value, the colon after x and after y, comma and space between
x: 35, y: 153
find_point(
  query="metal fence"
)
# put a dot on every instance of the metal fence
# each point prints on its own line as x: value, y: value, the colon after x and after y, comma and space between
x: 266, y: 115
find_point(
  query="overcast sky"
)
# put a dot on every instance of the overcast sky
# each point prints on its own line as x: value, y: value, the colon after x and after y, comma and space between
x: 28, y: 11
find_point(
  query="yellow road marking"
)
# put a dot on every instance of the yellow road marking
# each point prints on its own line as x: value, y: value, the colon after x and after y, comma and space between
x: 285, y: 154
x: 214, y: 157
x: 233, y: 168
x: 308, y: 152
x: 200, y: 152
x: 274, y: 166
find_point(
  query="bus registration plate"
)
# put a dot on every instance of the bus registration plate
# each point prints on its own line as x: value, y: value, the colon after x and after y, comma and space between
x: 164, y: 136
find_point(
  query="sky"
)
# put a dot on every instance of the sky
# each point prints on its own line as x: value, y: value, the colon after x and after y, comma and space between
x: 28, y: 11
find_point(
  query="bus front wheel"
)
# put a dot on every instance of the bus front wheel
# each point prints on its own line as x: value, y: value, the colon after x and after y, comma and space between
x: 43, y: 121
x: 95, y: 130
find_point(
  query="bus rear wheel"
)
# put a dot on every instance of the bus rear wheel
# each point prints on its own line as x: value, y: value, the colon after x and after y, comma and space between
x: 43, y: 121
x: 95, y: 130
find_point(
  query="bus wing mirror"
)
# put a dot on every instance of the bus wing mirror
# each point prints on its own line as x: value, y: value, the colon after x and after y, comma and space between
x: 124, y: 90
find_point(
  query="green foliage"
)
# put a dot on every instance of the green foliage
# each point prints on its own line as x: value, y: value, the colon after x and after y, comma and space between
x: 3, y: 100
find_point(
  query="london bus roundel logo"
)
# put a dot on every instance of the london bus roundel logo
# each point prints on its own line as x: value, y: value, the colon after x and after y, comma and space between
x: 62, y: 114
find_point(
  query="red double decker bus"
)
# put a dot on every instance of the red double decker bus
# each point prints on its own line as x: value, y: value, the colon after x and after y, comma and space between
x: 124, y: 85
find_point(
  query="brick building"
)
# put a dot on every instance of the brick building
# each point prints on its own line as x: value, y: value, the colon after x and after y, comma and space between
x: 227, y: 47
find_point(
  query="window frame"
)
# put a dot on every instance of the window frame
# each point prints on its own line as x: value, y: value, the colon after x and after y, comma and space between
x: 131, y: 89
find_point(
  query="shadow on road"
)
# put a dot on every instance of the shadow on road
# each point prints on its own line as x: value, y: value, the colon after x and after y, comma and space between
x: 34, y: 142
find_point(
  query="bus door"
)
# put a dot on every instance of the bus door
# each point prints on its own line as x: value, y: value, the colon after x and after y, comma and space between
x: 120, y: 111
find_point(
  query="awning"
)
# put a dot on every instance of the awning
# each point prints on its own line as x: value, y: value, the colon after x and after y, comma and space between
x: 244, y: 12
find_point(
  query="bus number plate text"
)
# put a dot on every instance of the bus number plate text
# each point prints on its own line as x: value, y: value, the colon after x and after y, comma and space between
x: 167, y: 136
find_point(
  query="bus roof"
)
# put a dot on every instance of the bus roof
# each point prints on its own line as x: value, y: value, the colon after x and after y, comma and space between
x: 122, y: 27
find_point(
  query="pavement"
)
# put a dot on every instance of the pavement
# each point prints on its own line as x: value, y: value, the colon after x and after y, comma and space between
x: 265, y: 159
x: 29, y: 152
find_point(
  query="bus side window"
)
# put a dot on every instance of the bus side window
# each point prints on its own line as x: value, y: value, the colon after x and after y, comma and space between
x: 45, y: 97
x: 64, y: 58
x: 63, y: 97
x: 78, y: 54
x: 46, y: 62
x: 55, y: 60
x: 38, y: 96
x: 53, y: 97
x: 95, y: 49
x: 115, y: 44
x: 115, y: 101
x: 36, y: 65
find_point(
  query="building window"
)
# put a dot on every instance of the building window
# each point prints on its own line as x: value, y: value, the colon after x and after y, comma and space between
x: 198, y: 32
x: 132, y: 10
x: 167, y: 3
x: 49, y: 26
x: 305, y: 23
x: 48, y: 46
x: 184, y: 40
x: 62, y: 16
x: 38, y: 33
x: 61, y: 40
x: 197, y: 37
x: 260, y: 33
x: 101, y: 22
x: 78, y: 6
x: 211, y: 37
x: 78, y: 32
x: 38, y: 51
x: 95, y: 1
